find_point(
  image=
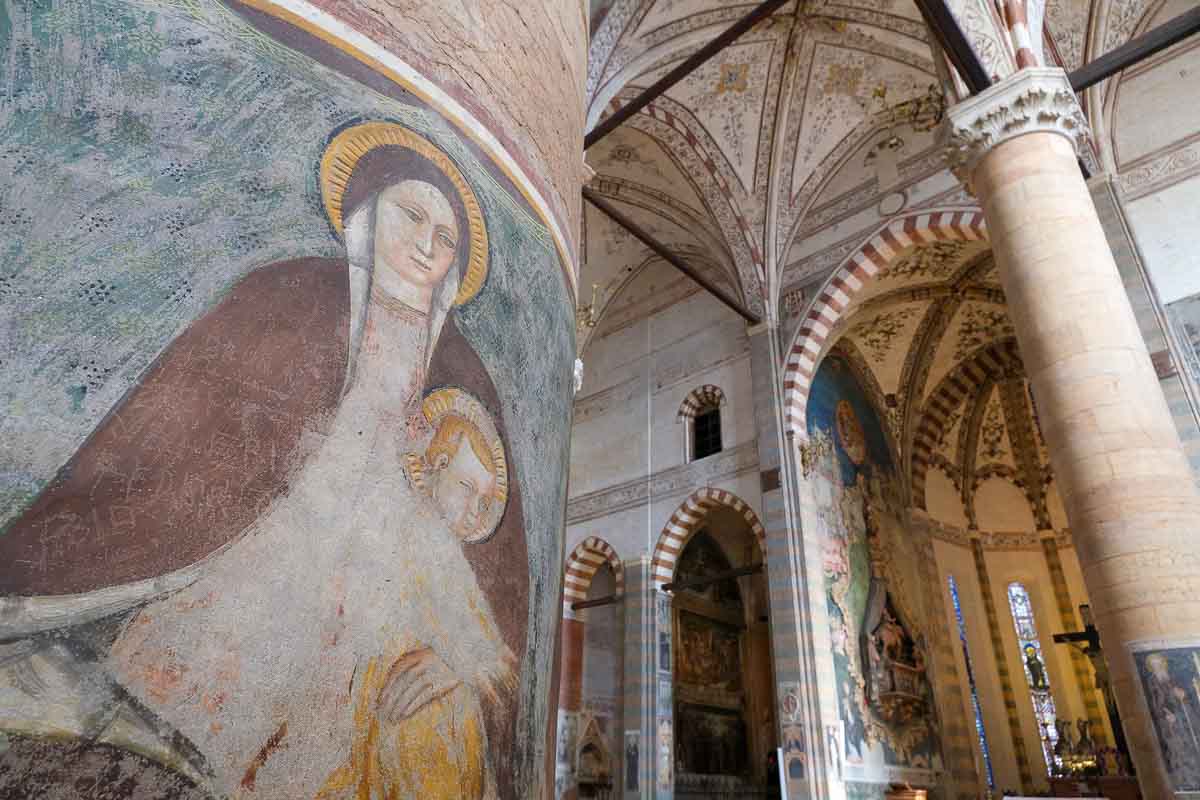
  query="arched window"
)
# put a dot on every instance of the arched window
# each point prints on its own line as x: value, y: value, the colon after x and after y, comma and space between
x: 979, y: 732
x: 706, y: 433
x: 702, y: 411
x: 1035, y: 669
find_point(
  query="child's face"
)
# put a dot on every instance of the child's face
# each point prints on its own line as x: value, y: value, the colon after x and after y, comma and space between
x: 463, y: 490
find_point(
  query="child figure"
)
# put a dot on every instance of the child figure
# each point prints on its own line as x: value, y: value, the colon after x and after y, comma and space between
x: 463, y: 470
x: 419, y: 725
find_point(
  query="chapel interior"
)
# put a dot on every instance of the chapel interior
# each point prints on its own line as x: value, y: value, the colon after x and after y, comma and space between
x: 860, y: 462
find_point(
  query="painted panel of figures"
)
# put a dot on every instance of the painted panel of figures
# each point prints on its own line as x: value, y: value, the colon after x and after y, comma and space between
x: 278, y: 504
x: 1170, y: 679
x: 876, y: 612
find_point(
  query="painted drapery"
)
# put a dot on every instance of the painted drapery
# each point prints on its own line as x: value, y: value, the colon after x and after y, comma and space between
x: 279, y: 507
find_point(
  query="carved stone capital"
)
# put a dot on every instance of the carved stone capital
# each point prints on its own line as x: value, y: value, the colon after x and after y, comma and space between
x: 1033, y: 100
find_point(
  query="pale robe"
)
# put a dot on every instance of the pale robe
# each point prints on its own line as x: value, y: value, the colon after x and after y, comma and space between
x: 270, y: 662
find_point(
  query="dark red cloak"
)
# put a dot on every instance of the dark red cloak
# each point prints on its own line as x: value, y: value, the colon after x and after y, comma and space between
x: 211, y: 435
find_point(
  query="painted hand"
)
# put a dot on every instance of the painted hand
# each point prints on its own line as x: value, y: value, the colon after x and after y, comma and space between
x: 416, y: 679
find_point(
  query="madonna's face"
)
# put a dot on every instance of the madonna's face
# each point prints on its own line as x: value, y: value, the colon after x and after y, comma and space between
x: 416, y: 238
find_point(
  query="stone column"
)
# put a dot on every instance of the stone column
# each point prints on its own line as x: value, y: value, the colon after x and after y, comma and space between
x: 570, y: 700
x: 1122, y: 473
x: 646, y: 688
x: 227, y: 413
x: 798, y: 623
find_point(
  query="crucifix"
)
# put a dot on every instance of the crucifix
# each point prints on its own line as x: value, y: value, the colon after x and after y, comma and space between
x: 1087, y: 642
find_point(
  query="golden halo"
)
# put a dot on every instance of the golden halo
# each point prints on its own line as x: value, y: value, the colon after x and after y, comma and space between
x: 342, y: 155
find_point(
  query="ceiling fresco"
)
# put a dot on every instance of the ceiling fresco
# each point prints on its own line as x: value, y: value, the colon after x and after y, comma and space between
x: 770, y: 144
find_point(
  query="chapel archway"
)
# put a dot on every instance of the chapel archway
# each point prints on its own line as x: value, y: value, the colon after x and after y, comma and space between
x: 844, y: 289
x: 590, y: 685
x: 922, y: 461
x: 722, y: 692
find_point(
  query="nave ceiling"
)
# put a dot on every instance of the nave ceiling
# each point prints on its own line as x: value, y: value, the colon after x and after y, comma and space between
x: 758, y: 168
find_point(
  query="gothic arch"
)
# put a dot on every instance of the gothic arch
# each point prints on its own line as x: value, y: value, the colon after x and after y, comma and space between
x: 847, y: 281
x: 688, y: 519
x: 988, y: 364
x: 582, y: 563
x: 699, y: 399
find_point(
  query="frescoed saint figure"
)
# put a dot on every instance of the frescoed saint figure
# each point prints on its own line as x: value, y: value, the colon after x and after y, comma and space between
x: 282, y: 529
x: 631, y: 760
x: 850, y: 433
x: 1175, y: 708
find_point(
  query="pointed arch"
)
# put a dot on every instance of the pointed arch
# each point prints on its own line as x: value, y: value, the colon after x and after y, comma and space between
x: 700, y: 399
x: 688, y: 519
x: 581, y: 565
x: 997, y: 361
x: 838, y: 293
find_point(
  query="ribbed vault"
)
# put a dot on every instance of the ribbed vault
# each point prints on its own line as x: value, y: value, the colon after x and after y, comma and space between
x: 758, y: 158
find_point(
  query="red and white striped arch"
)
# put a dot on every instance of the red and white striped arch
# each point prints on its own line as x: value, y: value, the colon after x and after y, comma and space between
x: 847, y: 281
x: 587, y: 557
x: 997, y: 361
x: 700, y: 399
x: 688, y: 519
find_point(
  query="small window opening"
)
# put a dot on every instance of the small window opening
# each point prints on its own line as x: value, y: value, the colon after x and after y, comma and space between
x: 706, y: 433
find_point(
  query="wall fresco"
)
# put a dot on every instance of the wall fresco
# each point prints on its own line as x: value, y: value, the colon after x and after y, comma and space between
x: 632, y: 760
x: 874, y: 596
x: 1170, y: 681
x: 280, y: 512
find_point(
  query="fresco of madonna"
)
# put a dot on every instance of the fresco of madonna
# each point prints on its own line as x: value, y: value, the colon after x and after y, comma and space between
x: 299, y: 556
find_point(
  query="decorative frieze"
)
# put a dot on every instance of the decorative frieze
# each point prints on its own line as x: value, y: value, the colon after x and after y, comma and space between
x: 1034, y: 100
x: 727, y: 463
x: 991, y: 540
x: 1161, y: 169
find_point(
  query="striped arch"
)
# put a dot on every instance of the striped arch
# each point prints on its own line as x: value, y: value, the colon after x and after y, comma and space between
x: 987, y: 365
x: 699, y: 399
x: 587, y: 557
x: 688, y: 519
x: 840, y: 290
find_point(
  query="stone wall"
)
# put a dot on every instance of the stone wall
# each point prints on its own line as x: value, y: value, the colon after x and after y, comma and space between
x: 629, y: 468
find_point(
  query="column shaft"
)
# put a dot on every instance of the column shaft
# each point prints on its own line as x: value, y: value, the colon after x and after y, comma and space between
x: 1121, y: 471
x: 804, y: 725
x: 570, y: 700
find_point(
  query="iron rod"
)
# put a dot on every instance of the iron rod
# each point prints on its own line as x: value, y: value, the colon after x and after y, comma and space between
x: 1136, y: 50
x: 720, y: 576
x: 666, y: 255
x: 950, y: 36
x: 607, y: 600
x: 614, y: 120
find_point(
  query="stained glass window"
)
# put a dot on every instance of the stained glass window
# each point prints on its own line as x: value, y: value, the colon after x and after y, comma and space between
x: 962, y: 638
x: 1035, y: 669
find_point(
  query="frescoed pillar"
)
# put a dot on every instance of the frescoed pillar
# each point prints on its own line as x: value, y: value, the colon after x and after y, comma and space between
x: 570, y: 700
x: 1122, y: 474
x: 647, y: 769
x: 287, y: 352
x: 808, y: 730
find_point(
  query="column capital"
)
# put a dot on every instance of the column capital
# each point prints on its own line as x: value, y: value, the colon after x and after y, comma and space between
x: 1033, y: 100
